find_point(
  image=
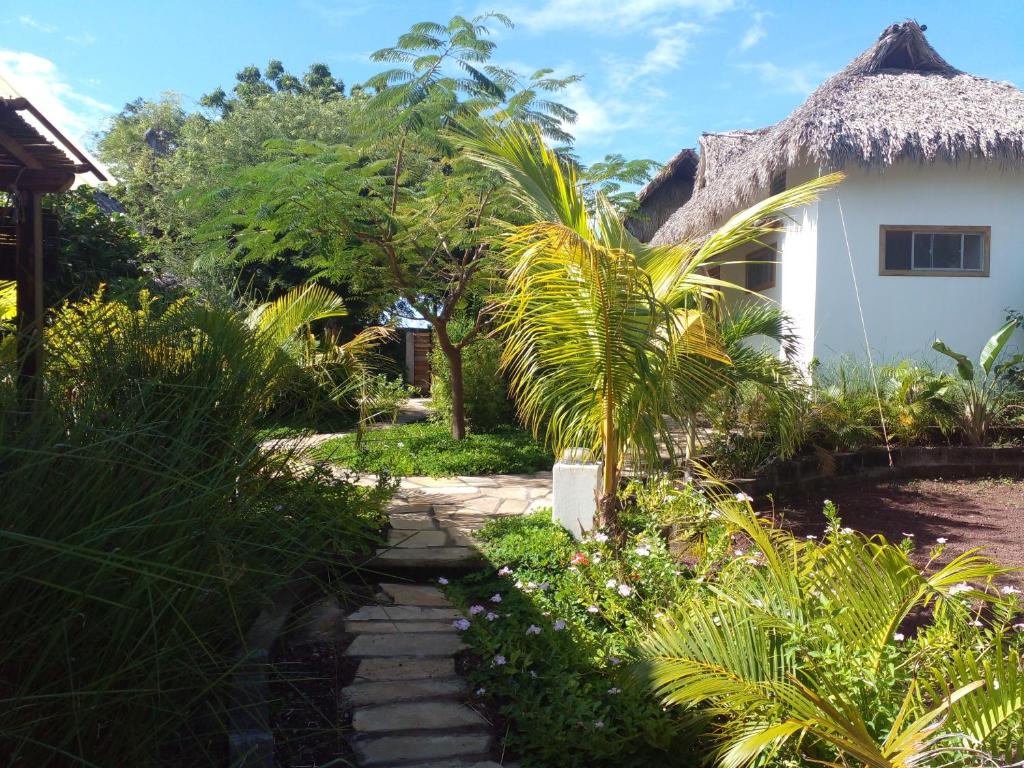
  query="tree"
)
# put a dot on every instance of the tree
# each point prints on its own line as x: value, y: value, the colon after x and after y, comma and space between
x: 607, y: 338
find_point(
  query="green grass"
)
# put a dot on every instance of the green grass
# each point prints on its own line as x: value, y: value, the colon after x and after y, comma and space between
x: 429, y: 449
x: 275, y: 427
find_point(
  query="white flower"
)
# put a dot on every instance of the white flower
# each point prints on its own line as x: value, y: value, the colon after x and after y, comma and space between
x: 499, y: 660
x: 481, y: 691
x: 908, y: 535
x: 597, y: 557
x: 533, y: 674
x: 442, y: 580
x: 278, y: 507
x: 1009, y: 590
x: 461, y: 624
x: 963, y: 586
x: 614, y: 691
x: 518, y: 585
x: 744, y: 497
x: 658, y: 615
x: 1019, y: 627
x: 400, y: 444
x: 593, y: 609
x: 717, y: 620
x: 611, y: 583
x: 941, y: 540
x: 558, y: 626
x: 625, y: 590
x: 827, y: 501
x: 601, y: 537
x: 495, y: 598
x: 899, y: 637
x: 505, y: 571
x: 810, y: 536
x: 531, y: 585
x: 475, y: 609
x: 599, y: 723
x: 491, y: 616
x: 976, y: 623
x: 533, y: 629
x: 643, y: 551
x: 738, y: 553
x: 846, y: 531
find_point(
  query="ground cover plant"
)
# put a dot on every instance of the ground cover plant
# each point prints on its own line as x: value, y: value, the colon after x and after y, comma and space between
x: 144, y: 528
x: 430, y: 449
x: 764, y: 648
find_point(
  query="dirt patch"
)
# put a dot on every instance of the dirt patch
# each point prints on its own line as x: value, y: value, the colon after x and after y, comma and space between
x: 986, y: 513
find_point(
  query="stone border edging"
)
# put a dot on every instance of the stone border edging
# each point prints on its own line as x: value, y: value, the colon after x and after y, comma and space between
x: 912, y: 462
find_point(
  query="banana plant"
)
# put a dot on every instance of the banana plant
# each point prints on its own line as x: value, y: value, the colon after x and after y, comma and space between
x: 981, y: 394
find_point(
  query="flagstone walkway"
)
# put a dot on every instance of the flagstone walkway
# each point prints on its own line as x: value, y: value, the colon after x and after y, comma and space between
x: 408, y: 705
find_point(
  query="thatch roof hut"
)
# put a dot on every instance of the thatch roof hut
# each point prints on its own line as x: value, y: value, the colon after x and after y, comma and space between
x: 663, y: 195
x: 899, y: 100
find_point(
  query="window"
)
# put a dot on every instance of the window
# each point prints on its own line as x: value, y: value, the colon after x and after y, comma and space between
x: 933, y: 251
x: 760, y: 268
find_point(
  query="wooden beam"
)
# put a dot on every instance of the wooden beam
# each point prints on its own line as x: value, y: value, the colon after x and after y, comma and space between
x: 15, y: 147
x: 29, y: 290
x: 31, y: 179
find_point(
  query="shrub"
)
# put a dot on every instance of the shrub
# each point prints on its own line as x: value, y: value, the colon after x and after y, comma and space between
x: 488, y: 406
x: 143, y: 529
x: 429, y: 449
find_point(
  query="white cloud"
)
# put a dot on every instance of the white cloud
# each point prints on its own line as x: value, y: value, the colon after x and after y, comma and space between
x: 755, y: 32
x: 612, y: 16
x: 28, y: 21
x: 800, y: 80
x: 671, y: 45
x: 36, y: 78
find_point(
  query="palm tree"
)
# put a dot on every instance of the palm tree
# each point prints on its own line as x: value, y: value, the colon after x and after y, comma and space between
x: 796, y: 649
x: 603, y: 333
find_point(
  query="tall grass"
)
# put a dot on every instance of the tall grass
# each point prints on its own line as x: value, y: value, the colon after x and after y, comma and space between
x: 141, y: 531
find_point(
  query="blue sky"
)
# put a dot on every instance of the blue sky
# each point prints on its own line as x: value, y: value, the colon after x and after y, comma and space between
x: 657, y: 72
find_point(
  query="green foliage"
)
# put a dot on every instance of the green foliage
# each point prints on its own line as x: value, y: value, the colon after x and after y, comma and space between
x: 486, y: 394
x: 548, y: 655
x: 980, y: 396
x: 606, y: 337
x: 796, y: 649
x: 144, y: 529
x: 430, y: 449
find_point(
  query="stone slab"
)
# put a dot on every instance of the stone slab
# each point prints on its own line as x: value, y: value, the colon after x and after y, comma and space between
x: 397, y: 627
x: 404, y: 613
x: 415, y: 594
x: 417, y: 539
x: 412, y: 523
x: 415, y: 716
x: 389, y: 692
x: 421, y: 645
x: 382, y: 750
x: 404, y: 669
x: 433, y: 557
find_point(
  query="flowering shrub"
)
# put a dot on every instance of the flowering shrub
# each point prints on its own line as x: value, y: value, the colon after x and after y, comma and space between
x: 550, y: 631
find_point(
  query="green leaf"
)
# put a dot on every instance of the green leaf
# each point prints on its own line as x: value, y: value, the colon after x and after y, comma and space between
x: 963, y: 366
x: 994, y: 346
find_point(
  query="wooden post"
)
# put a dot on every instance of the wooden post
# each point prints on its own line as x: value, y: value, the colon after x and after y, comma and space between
x: 28, y: 269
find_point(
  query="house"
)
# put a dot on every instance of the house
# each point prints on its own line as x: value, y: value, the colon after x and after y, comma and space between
x: 924, y: 238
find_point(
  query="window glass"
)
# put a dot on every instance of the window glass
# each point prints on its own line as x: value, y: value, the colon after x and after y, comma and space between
x: 946, y: 250
x: 760, y: 271
x: 897, y: 249
x: 972, y: 252
x: 922, y: 251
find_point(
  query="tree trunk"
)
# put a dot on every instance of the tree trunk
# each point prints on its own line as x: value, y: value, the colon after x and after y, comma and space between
x: 610, y: 480
x: 453, y: 355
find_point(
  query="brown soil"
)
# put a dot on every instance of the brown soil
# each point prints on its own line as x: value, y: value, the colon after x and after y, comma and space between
x: 986, y: 513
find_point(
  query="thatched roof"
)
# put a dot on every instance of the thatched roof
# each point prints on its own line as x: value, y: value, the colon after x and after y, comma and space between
x: 683, y: 164
x: 898, y: 100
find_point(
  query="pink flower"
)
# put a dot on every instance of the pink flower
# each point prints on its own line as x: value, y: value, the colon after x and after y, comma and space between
x: 580, y: 559
x: 625, y: 590
x: 559, y: 625
x: 593, y: 609
x: 491, y: 616
x: 475, y: 609
x: 495, y: 598
x: 499, y: 661
x: 505, y: 571
x: 461, y: 624
x: 533, y: 629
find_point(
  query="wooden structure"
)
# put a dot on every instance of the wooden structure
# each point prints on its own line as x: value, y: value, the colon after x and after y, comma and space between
x: 32, y: 165
x: 418, y: 344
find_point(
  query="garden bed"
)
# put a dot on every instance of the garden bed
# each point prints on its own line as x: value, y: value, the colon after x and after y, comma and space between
x: 967, y: 513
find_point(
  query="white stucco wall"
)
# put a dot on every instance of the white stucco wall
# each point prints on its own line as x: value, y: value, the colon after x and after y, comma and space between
x: 904, y: 314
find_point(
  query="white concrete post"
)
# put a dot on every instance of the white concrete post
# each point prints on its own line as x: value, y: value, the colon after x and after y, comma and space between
x: 576, y: 491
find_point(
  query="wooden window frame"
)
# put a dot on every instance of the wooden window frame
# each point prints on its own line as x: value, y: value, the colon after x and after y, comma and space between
x: 773, y: 252
x: 986, y: 250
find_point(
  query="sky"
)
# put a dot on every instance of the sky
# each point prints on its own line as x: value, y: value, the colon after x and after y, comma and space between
x: 657, y: 73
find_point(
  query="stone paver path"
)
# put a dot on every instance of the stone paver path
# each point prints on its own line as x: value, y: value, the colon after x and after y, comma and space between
x: 407, y: 700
